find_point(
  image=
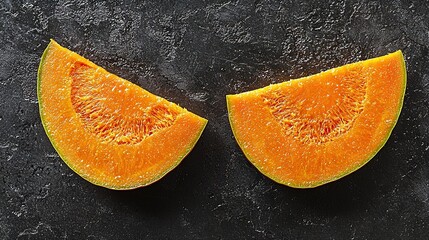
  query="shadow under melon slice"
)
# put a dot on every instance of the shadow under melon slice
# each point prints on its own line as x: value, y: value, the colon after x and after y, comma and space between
x: 108, y: 130
x: 310, y: 131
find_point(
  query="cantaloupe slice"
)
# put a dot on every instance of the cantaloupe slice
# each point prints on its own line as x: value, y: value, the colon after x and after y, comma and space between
x: 107, y: 129
x: 310, y: 131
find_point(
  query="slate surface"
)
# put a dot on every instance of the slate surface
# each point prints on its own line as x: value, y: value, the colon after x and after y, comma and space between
x: 194, y: 53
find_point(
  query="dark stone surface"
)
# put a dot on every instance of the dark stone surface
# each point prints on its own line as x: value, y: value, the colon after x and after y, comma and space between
x: 194, y: 53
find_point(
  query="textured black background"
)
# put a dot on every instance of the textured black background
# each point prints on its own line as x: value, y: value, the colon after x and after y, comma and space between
x: 194, y: 53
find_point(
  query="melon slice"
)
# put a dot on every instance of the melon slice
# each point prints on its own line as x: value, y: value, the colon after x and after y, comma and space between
x: 310, y: 131
x: 108, y: 130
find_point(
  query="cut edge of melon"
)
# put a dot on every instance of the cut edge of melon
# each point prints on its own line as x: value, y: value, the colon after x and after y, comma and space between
x: 319, y: 183
x: 188, y: 148
x: 180, y: 158
x: 163, y: 174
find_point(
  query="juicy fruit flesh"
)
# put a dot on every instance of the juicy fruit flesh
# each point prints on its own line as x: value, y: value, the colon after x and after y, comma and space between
x: 310, y: 131
x: 108, y: 130
x: 329, y: 114
x: 94, y: 101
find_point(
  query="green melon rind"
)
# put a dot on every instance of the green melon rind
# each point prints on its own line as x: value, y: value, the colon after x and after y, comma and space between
x: 319, y: 183
x: 188, y: 148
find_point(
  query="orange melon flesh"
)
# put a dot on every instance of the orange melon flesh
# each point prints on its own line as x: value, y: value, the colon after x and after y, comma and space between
x: 108, y: 130
x: 310, y: 131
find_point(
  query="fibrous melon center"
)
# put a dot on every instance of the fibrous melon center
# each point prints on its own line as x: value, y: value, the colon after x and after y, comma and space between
x: 108, y: 119
x: 321, y: 112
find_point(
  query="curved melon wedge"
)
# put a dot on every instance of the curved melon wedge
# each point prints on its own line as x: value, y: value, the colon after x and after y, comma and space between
x: 310, y: 131
x: 108, y: 130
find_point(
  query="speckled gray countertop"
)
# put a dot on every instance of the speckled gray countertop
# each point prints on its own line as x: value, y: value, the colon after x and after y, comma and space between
x: 194, y: 53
